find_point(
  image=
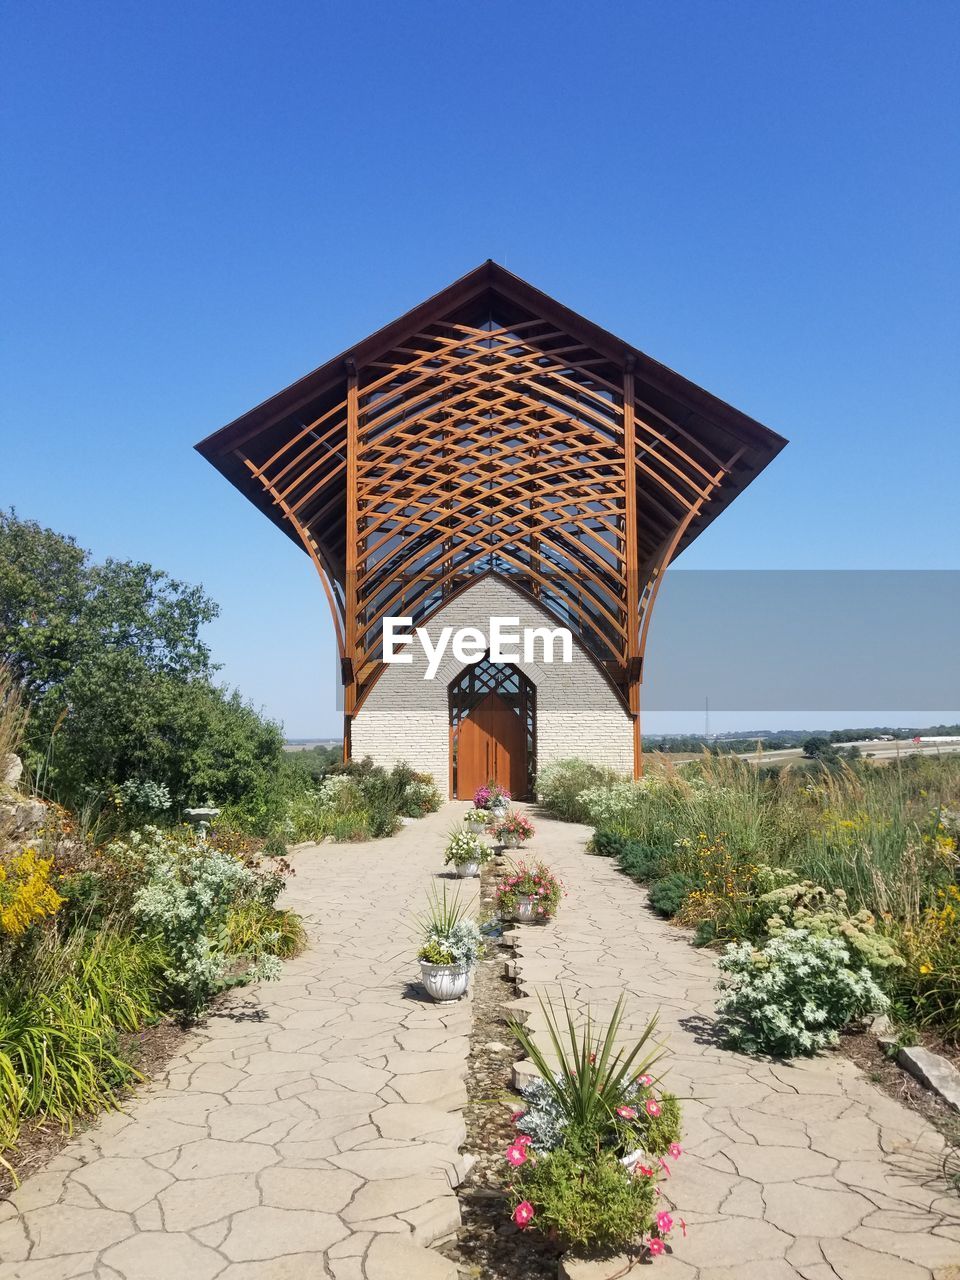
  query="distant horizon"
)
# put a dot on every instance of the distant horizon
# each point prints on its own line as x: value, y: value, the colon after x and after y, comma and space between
x: 722, y: 735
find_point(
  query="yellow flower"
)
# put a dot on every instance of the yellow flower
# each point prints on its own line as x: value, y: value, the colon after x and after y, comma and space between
x: 926, y: 968
x: 26, y: 894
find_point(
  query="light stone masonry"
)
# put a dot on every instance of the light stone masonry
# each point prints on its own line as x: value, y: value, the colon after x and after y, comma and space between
x: 407, y: 718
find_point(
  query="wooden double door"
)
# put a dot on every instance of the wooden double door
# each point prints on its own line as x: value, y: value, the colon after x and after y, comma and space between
x: 491, y: 745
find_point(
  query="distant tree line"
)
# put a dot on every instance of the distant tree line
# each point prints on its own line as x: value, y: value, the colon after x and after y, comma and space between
x: 119, y: 681
x: 784, y: 739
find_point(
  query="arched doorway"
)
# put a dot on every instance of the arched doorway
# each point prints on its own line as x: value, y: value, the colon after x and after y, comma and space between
x: 493, y: 729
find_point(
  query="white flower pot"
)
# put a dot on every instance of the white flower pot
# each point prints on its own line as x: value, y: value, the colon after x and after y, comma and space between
x: 526, y: 911
x: 445, y: 981
x: 511, y: 842
x: 476, y: 826
x: 466, y: 869
x: 498, y: 810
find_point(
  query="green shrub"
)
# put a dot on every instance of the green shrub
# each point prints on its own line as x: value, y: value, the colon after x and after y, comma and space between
x: 824, y: 913
x: 667, y: 895
x: 420, y: 797
x: 186, y: 893
x: 60, y: 1011
x: 253, y: 928
x: 640, y: 862
x: 559, y: 786
x: 608, y: 844
x: 793, y: 995
x: 587, y: 1198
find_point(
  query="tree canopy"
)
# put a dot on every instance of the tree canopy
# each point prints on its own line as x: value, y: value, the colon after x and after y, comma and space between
x: 119, y: 680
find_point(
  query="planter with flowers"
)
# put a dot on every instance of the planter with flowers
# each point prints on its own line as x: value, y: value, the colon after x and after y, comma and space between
x: 512, y: 829
x: 450, y: 948
x: 476, y: 820
x: 596, y: 1138
x: 467, y: 852
x: 491, y: 797
x: 529, y: 894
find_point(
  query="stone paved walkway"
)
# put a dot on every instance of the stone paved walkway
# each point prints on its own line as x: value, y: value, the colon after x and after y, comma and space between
x: 792, y: 1170
x: 309, y: 1129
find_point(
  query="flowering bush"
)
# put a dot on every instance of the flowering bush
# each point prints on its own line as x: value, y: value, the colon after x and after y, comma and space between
x: 187, y: 891
x: 587, y: 1199
x: 792, y: 995
x: 537, y: 884
x: 489, y: 795
x: 513, y: 826
x: 420, y: 797
x: 466, y: 846
x: 561, y: 783
x: 450, y: 936
x: 26, y: 894
x: 824, y: 913
x: 143, y: 795
x: 930, y: 981
x: 642, y: 1120
x: 594, y: 1139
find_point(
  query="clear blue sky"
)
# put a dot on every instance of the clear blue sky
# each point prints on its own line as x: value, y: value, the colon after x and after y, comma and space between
x: 204, y: 201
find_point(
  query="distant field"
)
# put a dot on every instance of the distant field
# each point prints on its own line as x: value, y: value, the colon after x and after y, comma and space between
x: 307, y: 744
x: 874, y: 749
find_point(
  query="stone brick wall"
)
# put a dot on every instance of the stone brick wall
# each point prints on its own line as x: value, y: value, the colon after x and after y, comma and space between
x: 578, y: 714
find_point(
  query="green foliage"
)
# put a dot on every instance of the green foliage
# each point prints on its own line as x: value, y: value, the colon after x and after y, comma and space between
x: 792, y: 995
x: 592, y: 1074
x: 520, y: 883
x: 466, y: 846
x: 119, y: 680
x: 252, y: 927
x: 13, y: 713
x: 449, y: 935
x: 560, y: 784
x: 662, y: 1131
x: 186, y: 895
x: 668, y: 894
x: 60, y: 1010
x: 608, y: 844
x: 586, y: 1197
x: 824, y: 913
x: 640, y: 862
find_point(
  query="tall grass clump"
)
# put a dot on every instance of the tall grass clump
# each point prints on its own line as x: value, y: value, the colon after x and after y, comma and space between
x: 13, y: 714
x: 714, y: 838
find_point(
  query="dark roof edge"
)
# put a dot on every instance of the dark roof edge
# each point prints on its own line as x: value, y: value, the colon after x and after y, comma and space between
x: 489, y: 275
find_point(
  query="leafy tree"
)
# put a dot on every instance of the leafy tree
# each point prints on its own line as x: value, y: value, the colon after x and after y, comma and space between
x: 819, y: 748
x: 119, y: 680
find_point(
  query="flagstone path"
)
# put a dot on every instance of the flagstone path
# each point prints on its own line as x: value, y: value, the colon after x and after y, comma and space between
x: 801, y: 1169
x: 310, y: 1128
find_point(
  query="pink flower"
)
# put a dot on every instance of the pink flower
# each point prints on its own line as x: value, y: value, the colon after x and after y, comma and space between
x: 627, y: 1113
x: 652, y: 1108
x: 664, y: 1223
x: 656, y: 1247
x: 664, y: 1166
x: 644, y: 1171
x: 646, y: 1081
x: 516, y: 1155
x: 683, y: 1228
x: 676, y: 1151
x: 524, y: 1140
x: 517, y: 1115
x: 523, y: 1213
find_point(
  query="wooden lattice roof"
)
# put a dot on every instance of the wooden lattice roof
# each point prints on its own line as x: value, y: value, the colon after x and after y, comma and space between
x: 491, y: 429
